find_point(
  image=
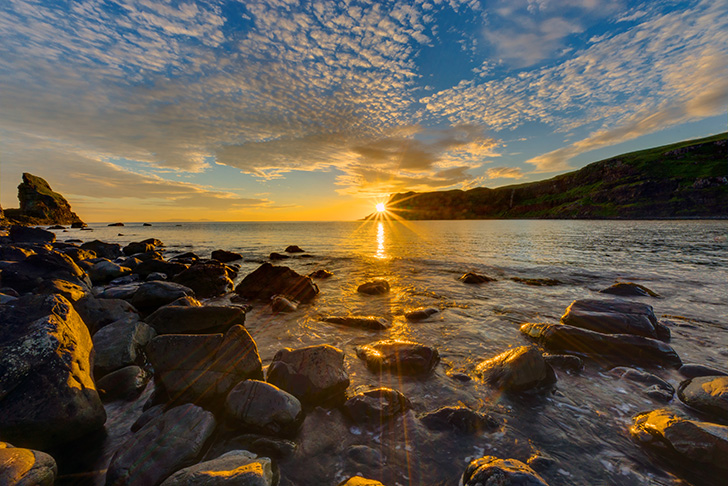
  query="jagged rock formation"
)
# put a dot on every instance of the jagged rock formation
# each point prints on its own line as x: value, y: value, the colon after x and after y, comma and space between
x: 39, y: 204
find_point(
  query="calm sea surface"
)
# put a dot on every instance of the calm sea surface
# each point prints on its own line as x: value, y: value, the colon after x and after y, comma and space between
x: 582, y: 425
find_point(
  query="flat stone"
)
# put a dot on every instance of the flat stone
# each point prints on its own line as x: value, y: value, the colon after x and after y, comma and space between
x: 612, y: 317
x: 294, y: 249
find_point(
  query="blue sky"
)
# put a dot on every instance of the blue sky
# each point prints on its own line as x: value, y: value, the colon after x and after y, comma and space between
x: 287, y: 110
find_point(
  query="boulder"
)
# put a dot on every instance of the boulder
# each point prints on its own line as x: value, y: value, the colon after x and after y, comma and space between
x: 70, y: 291
x: 106, y: 270
x: 47, y: 394
x: 313, y: 374
x: 167, y: 443
x: 280, y: 304
x: 203, y: 367
x: 41, y: 204
x: 294, y: 249
x: 28, y: 234
x: 420, y: 314
x: 26, y: 467
x: 257, y: 406
x: 629, y: 289
x: 361, y: 322
x: 137, y: 247
x: 474, y: 278
x: 708, y: 394
x: 115, y: 224
x: 79, y: 254
x: 360, y: 481
x: 97, y: 313
x: 170, y: 269
x: 123, y: 384
x: 234, y: 468
x: 14, y: 253
x: 187, y: 257
x: 224, y: 256
x: 375, y: 406
x: 461, y: 419
x: 27, y: 275
x: 268, y: 280
x: 79, y: 225
x: 566, y: 362
x: 208, y: 279
x: 103, y: 250
x: 399, y: 357
x: 179, y: 319
x: 375, y: 287
x: 150, y: 296
x: 6, y: 299
x: 120, y: 344
x: 612, y: 317
x: 155, y: 276
x: 610, y: 348
x: 518, y: 369
x: 490, y: 470
x: 321, y: 273
x: 278, y: 256
x: 152, y: 241
x: 690, y: 370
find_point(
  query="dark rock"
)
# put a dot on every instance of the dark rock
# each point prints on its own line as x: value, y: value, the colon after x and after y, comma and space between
x: 280, y: 304
x: 234, y: 468
x: 277, y: 256
x: 474, y: 278
x: 206, y: 279
x: 164, y: 445
x: 420, y: 314
x: 187, y: 301
x: 708, y: 394
x: 629, y: 289
x: 120, y: 344
x: 361, y: 322
x: 79, y: 254
x: 105, y: 271
x: 97, y: 313
x: 314, y: 374
x: 365, y: 455
x: 137, y: 247
x: 612, y: 317
x: 47, y: 394
x: 294, y: 249
x: 461, y: 419
x: 27, y: 275
x: 103, y: 250
x: 115, y: 224
x: 178, y: 319
x: 14, y: 253
x: 146, y: 224
x: 257, y: 406
x: 56, y: 227
x: 694, y: 370
x: 274, y: 447
x: 125, y: 291
x: 490, y: 470
x: 321, y: 273
x: 657, y: 387
x: 40, y: 205
x: 376, y: 406
x: 187, y: 257
x: 268, y: 280
x: 399, y: 357
x: 27, y: 234
x: 149, y: 414
x: 170, y: 269
x: 375, y: 287
x: 72, y: 292
x: 204, y: 367
x: 226, y: 256
x: 156, y: 276
x: 611, y: 348
x: 123, y: 384
x: 6, y: 299
x: 9, y: 291
x: 517, y: 369
x: 150, y: 296
x: 26, y: 467
x: 537, y: 282
x: 565, y: 362
x: 152, y: 241
x: 360, y: 481
x: 78, y: 225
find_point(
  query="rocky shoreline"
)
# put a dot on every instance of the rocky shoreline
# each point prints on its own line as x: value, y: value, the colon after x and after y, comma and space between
x: 103, y: 342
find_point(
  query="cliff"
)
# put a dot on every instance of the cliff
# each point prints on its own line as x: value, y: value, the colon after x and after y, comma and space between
x: 682, y: 180
x: 39, y: 204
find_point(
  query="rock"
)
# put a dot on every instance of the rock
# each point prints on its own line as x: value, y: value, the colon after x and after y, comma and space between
x: 170, y: 269
x: 260, y: 407
x: 187, y: 301
x: 78, y: 225
x: 226, y: 256
x: 26, y: 467
x: 367, y: 456
x: 72, y: 292
x: 28, y: 234
x: 123, y: 384
x: 657, y: 387
x: 420, y: 314
x: 6, y: 299
x: 14, y: 253
x: 164, y: 445
x: 206, y: 279
x: 27, y: 275
x: 696, y: 444
x: 280, y: 304
x: 629, y: 289
x: 461, y: 419
x: 321, y: 273
x: 155, y: 276
x: 115, y: 224
x: 47, y: 394
x: 360, y: 481
x: 187, y: 257
x: 314, y: 374
x: 268, y: 446
x: 40, y: 205
x: 120, y: 344
x: 375, y: 287
x: 277, y: 256
x: 611, y: 348
x: 518, y: 369
x: 147, y: 416
x: 294, y: 249
x: 97, y: 313
x: 490, y: 470
x: 376, y: 406
x: 235, y: 468
x: 474, y: 278
x: 105, y: 271
x: 203, y: 367
x: 146, y: 224
x: 152, y: 241
x: 178, y: 319
x: 103, y: 250
x: 399, y: 357
x: 79, y: 254
x: 150, y: 296
x: 137, y: 247
x: 268, y: 280
x: 694, y: 370
x: 537, y: 282
x: 566, y: 362
x: 361, y: 322
x: 612, y: 317
x: 708, y: 394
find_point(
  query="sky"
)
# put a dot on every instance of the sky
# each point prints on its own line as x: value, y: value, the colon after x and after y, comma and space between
x: 151, y: 110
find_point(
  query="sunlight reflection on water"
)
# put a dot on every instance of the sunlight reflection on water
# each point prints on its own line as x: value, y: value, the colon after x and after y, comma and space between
x: 380, y: 241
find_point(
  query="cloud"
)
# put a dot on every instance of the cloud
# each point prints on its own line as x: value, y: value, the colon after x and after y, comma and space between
x: 504, y: 173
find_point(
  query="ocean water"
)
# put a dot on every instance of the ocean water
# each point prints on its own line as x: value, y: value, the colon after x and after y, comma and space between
x: 580, y: 427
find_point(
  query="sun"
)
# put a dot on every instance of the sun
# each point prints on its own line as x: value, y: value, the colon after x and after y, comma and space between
x: 381, y: 207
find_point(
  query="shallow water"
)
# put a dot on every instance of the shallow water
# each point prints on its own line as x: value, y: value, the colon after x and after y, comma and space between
x: 582, y: 424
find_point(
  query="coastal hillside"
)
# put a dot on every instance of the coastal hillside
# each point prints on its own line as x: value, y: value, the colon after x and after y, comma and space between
x: 682, y: 180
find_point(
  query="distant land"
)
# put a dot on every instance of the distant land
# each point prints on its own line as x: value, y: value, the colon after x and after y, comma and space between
x: 684, y: 180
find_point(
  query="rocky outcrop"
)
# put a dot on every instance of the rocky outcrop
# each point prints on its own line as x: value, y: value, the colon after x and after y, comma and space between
x: 399, y: 357
x: 39, y: 204
x: 517, y: 369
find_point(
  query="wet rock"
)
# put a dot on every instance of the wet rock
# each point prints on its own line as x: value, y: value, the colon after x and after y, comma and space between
x: 361, y: 454
x: 375, y: 406
x: 360, y: 481
x: 6, y: 299
x: 421, y: 313
x: 72, y: 292
x: 268, y: 280
x: 517, y: 369
x: 399, y: 357
x: 156, y: 276
x: 78, y: 225
x: 313, y: 374
x: 490, y: 470
x: 47, y: 394
x: 124, y: 291
x: 124, y: 384
x: 26, y: 467
x: 277, y: 256
x: 208, y: 279
x: 187, y: 301
x: 375, y: 287
x: 612, y: 317
x: 474, y: 278
x: 235, y: 468
x: 691, y: 370
x: 79, y: 254
x: 170, y: 269
x: 149, y: 414
x: 461, y: 419
x: 103, y: 250
x: 611, y: 348
x: 280, y: 304
x: 152, y: 241
x: 28, y: 234
x: 137, y: 247
x: 97, y: 313
x: 226, y: 256
x: 274, y: 447
x: 361, y: 322
x: 150, y: 296
x: 257, y: 406
x: 115, y: 224
x: 187, y: 257
x: 178, y: 319
x: 203, y: 367
x: 537, y: 282
x: 629, y: 289
x: 294, y: 249
x: 695, y: 444
x: 105, y: 271
x: 566, y: 362
x: 164, y: 445
x: 27, y: 275
x: 120, y: 344
x: 14, y: 253
x: 708, y: 394
x: 321, y: 273
x: 657, y: 388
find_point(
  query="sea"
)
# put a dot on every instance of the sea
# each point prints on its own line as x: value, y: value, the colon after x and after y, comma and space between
x: 575, y: 434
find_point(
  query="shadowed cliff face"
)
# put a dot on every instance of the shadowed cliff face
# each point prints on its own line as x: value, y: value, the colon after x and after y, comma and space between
x: 688, y: 179
x: 39, y: 204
